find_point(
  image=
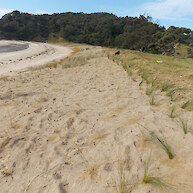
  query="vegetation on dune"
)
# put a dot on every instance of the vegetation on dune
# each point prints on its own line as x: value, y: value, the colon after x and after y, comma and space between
x: 104, y: 29
x: 170, y: 75
x: 156, y: 181
x: 160, y: 140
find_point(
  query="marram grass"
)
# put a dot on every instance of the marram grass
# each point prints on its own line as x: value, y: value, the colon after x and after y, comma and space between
x: 156, y: 181
x: 184, y: 125
x: 172, y: 111
x: 162, y: 142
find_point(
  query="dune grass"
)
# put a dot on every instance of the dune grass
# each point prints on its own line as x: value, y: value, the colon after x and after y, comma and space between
x: 156, y: 181
x: 188, y: 105
x: 149, y: 91
x: 172, y: 112
x: 160, y: 141
x: 172, y: 76
x: 184, y: 125
x: 152, y: 100
x: 171, y: 94
x: 123, y: 181
x: 55, y: 63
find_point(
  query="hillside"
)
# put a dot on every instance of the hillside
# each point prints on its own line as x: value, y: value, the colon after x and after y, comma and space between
x: 103, y: 29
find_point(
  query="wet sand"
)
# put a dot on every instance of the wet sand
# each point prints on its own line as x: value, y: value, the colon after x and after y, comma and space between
x: 13, y: 47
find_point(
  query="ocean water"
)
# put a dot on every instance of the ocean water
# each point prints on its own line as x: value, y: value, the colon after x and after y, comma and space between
x: 13, y: 47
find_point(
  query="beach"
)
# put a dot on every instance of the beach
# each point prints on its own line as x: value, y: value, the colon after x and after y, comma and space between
x: 18, y: 55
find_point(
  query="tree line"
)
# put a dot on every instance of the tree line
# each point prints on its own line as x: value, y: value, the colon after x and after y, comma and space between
x: 104, y: 29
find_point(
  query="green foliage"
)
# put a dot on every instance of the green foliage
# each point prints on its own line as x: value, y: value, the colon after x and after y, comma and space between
x: 104, y: 29
x: 164, y: 42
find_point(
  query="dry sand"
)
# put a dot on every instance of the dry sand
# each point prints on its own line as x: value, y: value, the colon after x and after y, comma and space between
x: 76, y: 130
x: 37, y: 54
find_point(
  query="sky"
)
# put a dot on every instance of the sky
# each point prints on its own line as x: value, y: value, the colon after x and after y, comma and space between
x: 166, y: 13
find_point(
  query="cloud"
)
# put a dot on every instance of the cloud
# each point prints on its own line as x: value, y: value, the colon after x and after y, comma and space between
x: 169, y: 9
x: 4, y: 11
x: 40, y: 12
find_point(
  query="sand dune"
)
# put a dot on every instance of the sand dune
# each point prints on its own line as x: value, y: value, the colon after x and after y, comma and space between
x: 76, y: 130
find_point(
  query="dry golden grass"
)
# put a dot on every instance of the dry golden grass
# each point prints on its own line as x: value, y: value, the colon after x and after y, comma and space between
x: 91, y: 172
x: 169, y: 74
x: 55, y: 63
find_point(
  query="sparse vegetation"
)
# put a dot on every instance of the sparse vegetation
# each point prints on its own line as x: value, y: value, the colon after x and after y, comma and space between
x: 171, y: 76
x: 152, y: 100
x: 123, y: 181
x: 80, y: 59
x: 91, y: 171
x: 149, y: 91
x: 166, y: 86
x: 161, y: 141
x: 184, y: 125
x: 188, y: 105
x: 171, y: 94
x: 172, y: 111
x: 155, y: 181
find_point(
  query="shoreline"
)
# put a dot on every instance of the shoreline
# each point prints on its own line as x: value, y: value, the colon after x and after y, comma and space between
x: 12, y: 47
x: 36, y: 54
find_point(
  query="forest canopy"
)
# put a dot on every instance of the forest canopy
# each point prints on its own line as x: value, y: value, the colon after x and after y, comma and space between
x: 104, y: 29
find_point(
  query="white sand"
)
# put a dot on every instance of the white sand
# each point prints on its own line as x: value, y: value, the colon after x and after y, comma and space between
x: 36, y: 54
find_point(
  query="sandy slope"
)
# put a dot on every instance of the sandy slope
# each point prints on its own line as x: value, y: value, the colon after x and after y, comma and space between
x: 36, y: 54
x: 74, y: 130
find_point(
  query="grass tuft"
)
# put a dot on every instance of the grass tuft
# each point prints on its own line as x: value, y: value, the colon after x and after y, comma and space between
x: 172, y: 111
x: 171, y: 94
x: 184, y: 125
x: 149, y: 91
x: 156, y: 181
x: 152, y: 100
x: 166, y: 86
x: 123, y: 183
x: 162, y: 142
x: 188, y: 105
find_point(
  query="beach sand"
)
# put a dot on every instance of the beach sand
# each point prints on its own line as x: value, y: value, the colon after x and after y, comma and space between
x: 69, y: 130
x: 36, y: 54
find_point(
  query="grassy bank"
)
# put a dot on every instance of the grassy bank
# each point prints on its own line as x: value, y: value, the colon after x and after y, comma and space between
x: 169, y: 74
